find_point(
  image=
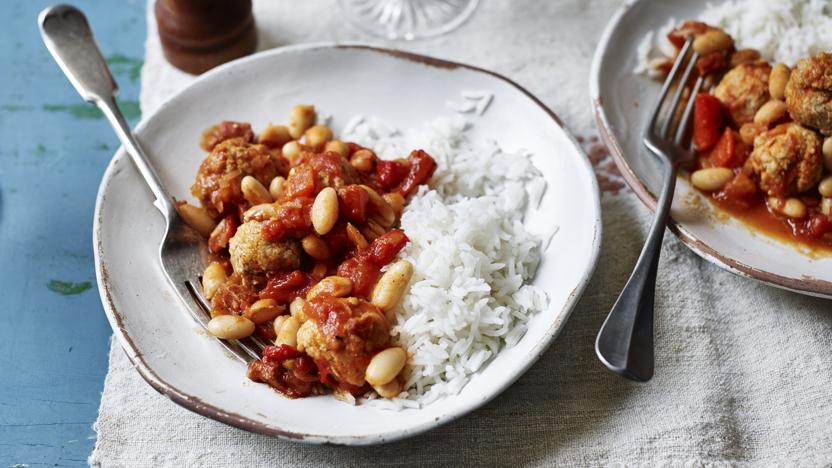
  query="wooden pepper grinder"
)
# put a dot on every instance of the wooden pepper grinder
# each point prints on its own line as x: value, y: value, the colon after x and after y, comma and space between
x: 198, y: 35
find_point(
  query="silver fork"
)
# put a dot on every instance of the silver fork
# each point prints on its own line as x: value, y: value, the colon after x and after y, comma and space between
x: 625, y: 341
x: 67, y: 35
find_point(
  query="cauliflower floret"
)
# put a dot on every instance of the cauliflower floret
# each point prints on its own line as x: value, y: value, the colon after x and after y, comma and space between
x: 251, y: 253
x: 787, y: 160
x: 743, y: 90
x: 809, y: 92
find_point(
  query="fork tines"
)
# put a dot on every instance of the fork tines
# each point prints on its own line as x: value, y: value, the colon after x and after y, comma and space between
x: 670, y: 119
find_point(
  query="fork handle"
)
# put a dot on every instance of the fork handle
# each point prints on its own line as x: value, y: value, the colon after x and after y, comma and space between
x: 67, y: 35
x: 625, y: 341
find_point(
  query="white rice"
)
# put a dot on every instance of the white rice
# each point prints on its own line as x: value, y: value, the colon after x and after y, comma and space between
x: 473, y: 258
x: 783, y: 30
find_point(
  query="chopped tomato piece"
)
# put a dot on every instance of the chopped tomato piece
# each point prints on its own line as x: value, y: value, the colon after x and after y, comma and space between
x: 421, y: 168
x: 327, y: 167
x: 301, y: 183
x: 278, y: 354
x: 305, y: 369
x: 730, y: 152
x: 810, y: 201
x: 678, y: 36
x: 337, y: 238
x: 285, y: 287
x: 707, y: 121
x: 265, y: 331
x: 324, y: 374
x: 723, y: 153
x: 221, y: 234
x: 281, y: 378
x: 293, y: 220
x: 818, y: 225
x: 362, y: 273
x: 739, y: 191
x: 353, y: 203
x: 385, y: 247
x: 712, y: 62
x: 390, y: 173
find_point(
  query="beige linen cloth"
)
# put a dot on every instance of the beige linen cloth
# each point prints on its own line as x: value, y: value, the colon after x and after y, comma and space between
x: 743, y: 371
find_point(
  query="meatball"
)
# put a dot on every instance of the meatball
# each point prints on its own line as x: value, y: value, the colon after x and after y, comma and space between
x: 331, y: 169
x: 345, y: 333
x: 252, y: 254
x: 743, y: 90
x: 217, y: 183
x: 809, y: 93
x: 787, y: 160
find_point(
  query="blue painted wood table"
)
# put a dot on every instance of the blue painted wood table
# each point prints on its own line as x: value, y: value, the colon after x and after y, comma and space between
x: 53, y: 151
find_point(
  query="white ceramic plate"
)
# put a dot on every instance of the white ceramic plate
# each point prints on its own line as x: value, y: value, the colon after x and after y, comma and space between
x: 622, y: 101
x: 191, y: 368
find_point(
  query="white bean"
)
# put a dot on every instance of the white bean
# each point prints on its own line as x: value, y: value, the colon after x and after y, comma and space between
x: 301, y: 117
x: 263, y: 310
x: 315, y: 247
x: 826, y: 206
x: 794, y: 208
x: 276, y: 187
x: 770, y: 112
x: 391, y: 389
x: 777, y: 81
x: 337, y: 146
x: 278, y: 324
x: 713, y: 40
x: 363, y: 160
x: 825, y: 186
x: 213, y: 277
x: 390, y: 287
x: 711, y: 179
x: 827, y: 153
x: 396, y: 202
x: 791, y: 207
x: 336, y: 286
x: 291, y: 151
x: 261, y: 212
x: 274, y: 136
x: 254, y: 192
x: 385, y: 366
x: 324, y: 211
x: 230, y: 327
x: 197, y: 218
x: 288, y: 332
x: 296, y: 308
x: 316, y: 137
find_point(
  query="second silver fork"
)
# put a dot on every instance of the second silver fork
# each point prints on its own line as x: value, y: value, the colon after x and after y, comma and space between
x: 625, y: 341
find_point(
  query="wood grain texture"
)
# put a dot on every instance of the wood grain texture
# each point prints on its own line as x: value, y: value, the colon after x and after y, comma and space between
x: 53, y: 334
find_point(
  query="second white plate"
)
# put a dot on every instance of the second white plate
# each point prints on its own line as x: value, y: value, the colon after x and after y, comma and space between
x: 622, y: 101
